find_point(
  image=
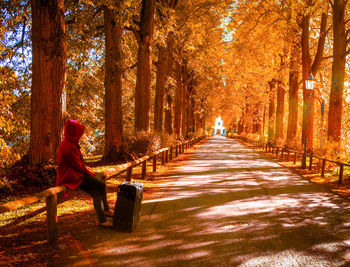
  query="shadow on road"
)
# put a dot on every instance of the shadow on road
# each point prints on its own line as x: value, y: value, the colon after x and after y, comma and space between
x: 227, y: 205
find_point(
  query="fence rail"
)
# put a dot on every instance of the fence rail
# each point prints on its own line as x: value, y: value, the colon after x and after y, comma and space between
x: 50, y: 195
x: 284, y: 151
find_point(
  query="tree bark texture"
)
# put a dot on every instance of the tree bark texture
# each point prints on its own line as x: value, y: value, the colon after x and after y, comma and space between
x: 184, y: 110
x: 144, y: 66
x: 178, y: 100
x: 48, y: 79
x: 293, y: 96
x: 168, y: 122
x: 192, y: 112
x: 279, y: 111
x: 306, y: 68
x: 264, y: 121
x: 160, y: 88
x: 338, y: 71
x: 168, y: 112
x: 113, y: 85
x: 248, y: 118
x: 271, y: 113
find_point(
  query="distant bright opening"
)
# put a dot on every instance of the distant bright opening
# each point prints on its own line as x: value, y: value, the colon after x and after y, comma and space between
x: 219, y: 127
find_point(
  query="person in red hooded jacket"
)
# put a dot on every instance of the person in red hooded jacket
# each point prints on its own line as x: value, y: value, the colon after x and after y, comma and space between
x: 73, y: 173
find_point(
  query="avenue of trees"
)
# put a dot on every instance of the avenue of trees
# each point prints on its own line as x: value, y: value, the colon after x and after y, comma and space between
x: 167, y: 68
x: 126, y: 69
x: 275, y: 46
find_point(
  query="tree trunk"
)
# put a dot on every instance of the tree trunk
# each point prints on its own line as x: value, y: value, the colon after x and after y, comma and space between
x: 178, y: 100
x: 160, y: 88
x: 264, y: 121
x: 279, y: 112
x: 248, y: 119
x: 338, y: 71
x: 271, y: 118
x: 189, y: 107
x: 48, y: 79
x: 144, y: 66
x: 192, y: 113
x: 184, y: 110
x: 307, y: 69
x: 306, y: 66
x: 168, y: 125
x: 293, y: 96
x: 113, y: 86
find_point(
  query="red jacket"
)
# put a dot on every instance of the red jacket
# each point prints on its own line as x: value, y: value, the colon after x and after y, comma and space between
x: 70, y: 164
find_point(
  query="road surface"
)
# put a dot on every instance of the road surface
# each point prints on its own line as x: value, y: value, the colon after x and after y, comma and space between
x: 226, y: 205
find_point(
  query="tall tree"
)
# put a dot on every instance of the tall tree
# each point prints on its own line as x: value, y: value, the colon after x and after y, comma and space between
x: 271, y: 113
x: 310, y: 67
x: 178, y: 100
x: 163, y: 65
x: 160, y: 88
x: 48, y: 79
x: 338, y: 70
x: 113, y: 84
x: 293, y: 94
x: 279, y: 112
x: 144, y: 38
x: 168, y: 111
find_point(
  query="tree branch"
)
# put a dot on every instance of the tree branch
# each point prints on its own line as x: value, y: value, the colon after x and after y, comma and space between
x: 330, y: 3
x: 325, y: 58
x: 320, y: 47
x: 135, y: 32
x: 256, y: 23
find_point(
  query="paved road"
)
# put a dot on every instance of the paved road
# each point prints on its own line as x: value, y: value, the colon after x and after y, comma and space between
x: 228, y: 206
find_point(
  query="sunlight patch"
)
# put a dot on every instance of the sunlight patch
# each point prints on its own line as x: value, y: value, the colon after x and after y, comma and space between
x: 289, y: 258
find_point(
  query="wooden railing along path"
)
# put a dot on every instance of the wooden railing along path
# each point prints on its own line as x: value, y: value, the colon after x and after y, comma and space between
x: 50, y: 195
x: 287, y: 152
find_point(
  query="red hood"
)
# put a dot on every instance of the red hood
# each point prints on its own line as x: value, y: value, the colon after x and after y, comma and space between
x: 73, y: 131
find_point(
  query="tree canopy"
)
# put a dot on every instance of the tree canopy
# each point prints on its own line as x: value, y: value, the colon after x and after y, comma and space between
x: 168, y: 68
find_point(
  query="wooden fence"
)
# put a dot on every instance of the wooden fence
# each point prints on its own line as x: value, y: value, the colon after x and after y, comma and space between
x: 50, y: 195
x: 288, y: 152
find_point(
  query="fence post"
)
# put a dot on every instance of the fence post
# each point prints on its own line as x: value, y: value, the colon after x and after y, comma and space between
x: 277, y: 150
x: 51, y: 217
x: 282, y: 153
x: 128, y: 174
x: 144, y: 169
x: 341, y: 169
x: 154, y: 163
x: 288, y: 155
x: 176, y: 150
x: 295, y: 158
x: 323, y: 167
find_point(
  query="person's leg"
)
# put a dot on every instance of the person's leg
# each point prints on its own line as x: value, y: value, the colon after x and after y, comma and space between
x: 97, y: 189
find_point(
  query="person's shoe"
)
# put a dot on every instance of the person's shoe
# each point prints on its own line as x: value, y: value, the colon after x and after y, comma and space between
x: 109, y: 213
x: 105, y: 225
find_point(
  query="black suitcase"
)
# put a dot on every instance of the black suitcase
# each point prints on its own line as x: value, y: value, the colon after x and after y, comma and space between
x: 127, y: 210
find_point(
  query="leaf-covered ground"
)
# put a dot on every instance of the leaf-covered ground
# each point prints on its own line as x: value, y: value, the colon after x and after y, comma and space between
x: 23, y: 231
